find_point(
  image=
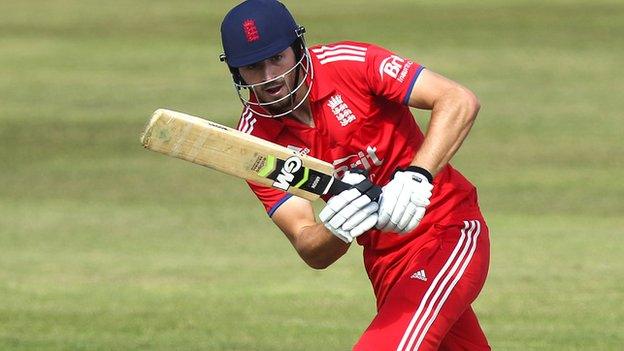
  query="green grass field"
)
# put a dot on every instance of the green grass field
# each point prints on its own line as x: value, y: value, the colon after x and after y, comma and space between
x: 107, y: 246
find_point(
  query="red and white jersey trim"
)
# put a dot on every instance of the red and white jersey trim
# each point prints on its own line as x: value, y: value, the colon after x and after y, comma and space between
x: 246, y: 124
x: 341, y: 52
x: 441, y: 287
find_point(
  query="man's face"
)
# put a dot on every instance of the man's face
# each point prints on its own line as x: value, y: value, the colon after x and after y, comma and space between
x: 265, y: 71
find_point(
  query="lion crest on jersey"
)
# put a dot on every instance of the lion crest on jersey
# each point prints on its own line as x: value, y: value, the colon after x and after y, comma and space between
x: 343, y: 113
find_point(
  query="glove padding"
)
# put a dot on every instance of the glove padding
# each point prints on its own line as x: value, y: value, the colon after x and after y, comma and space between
x: 404, y: 201
x: 350, y: 213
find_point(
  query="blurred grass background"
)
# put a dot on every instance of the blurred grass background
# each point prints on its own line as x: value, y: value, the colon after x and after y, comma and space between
x: 106, y: 246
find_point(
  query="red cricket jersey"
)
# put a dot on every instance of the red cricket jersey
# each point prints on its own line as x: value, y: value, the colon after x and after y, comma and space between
x: 359, y: 104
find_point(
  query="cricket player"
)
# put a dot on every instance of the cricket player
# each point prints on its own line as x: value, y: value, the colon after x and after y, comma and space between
x: 425, y: 242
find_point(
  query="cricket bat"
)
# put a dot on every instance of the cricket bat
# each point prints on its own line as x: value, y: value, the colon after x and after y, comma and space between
x: 239, y: 154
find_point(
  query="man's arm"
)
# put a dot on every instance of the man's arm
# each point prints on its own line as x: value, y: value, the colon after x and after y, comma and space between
x: 453, y: 111
x: 316, y: 245
x: 346, y: 216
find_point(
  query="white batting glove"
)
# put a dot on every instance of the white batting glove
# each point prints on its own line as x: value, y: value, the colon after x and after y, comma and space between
x: 350, y: 213
x: 404, y: 200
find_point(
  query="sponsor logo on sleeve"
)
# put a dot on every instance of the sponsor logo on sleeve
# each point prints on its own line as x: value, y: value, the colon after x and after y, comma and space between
x: 394, y: 67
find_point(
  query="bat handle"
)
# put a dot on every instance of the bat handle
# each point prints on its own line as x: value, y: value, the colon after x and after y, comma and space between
x: 365, y: 187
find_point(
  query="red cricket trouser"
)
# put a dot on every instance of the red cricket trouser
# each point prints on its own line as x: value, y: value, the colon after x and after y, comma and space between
x: 429, y: 306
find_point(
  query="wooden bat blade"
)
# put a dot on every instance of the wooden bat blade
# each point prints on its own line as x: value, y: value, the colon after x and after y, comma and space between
x: 238, y: 154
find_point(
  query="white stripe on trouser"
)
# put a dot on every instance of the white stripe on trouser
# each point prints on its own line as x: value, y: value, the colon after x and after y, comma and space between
x: 450, y: 288
x: 467, y: 245
x: 432, y: 287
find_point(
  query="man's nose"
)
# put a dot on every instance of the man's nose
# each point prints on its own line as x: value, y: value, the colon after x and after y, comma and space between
x: 269, y: 72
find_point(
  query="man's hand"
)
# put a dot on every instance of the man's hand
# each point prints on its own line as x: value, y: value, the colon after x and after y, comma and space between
x: 352, y: 212
x: 404, y: 200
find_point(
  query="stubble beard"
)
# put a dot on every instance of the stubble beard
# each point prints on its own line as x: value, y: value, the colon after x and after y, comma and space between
x: 286, y: 104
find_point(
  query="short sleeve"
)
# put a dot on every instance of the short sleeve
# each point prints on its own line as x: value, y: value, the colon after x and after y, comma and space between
x: 390, y: 75
x: 271, y: 198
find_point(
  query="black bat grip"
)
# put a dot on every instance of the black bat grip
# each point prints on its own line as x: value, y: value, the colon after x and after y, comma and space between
x: 338, y: 186
x: 365, y: 187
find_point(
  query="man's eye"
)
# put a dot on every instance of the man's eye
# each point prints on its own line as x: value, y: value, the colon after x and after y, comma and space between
x: 276, y: 58
x: 251, y: 67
